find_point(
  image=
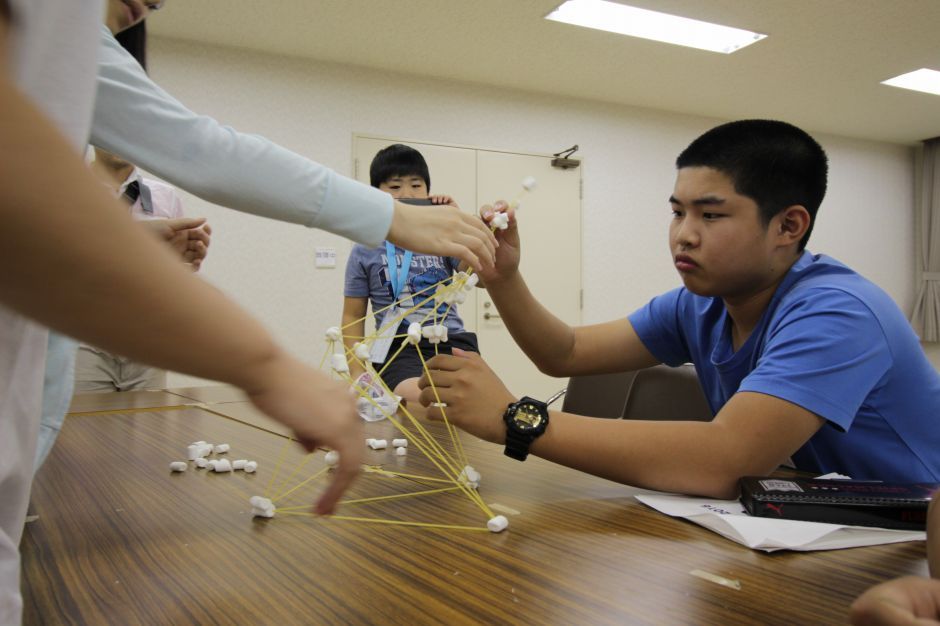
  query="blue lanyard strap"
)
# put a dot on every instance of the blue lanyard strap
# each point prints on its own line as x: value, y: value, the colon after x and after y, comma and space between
x: 398, y: 281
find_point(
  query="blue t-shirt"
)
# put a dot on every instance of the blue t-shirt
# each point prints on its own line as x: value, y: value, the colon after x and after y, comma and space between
x: 831, y: 342
x: 367, y: 276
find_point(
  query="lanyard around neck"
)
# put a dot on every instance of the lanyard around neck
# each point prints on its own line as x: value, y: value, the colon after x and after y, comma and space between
x: 397, y: 280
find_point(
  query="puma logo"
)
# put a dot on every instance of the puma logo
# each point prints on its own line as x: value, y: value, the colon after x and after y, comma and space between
x: 776, y: 508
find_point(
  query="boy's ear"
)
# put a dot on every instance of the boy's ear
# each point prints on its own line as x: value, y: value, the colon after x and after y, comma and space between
x: 792, y: 223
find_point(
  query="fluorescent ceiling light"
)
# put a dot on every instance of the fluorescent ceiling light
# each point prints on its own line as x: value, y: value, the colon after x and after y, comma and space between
x: 626, y: 20
x: 923, y: 79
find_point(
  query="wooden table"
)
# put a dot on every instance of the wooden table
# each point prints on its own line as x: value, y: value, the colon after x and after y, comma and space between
x: 122, y: 540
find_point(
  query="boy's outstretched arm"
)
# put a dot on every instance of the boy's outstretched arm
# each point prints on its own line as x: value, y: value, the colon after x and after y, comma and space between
x: 556, y: 348
x: 751, y: 435
x: 58, y: 245
x: 354, y: 310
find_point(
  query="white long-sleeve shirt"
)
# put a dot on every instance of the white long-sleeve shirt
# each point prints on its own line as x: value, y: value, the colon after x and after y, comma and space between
x: 137, y: 120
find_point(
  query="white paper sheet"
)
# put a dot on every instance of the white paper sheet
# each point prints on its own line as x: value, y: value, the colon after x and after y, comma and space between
x: 729, y: 519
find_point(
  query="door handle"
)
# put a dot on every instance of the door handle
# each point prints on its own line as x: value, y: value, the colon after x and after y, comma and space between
x: 490, y: 316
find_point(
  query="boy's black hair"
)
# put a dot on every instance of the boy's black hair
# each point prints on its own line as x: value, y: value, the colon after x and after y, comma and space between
x: 398, y: 160
x: 134, y: 40
x: 774, y: 163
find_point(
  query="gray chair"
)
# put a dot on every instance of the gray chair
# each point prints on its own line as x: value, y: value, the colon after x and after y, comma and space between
x: 657, y: 393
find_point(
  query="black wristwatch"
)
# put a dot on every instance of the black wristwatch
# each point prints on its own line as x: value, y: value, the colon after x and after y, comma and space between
x: 526, y: 420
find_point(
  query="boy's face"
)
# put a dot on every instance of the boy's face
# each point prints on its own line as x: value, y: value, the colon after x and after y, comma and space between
x: 718, y: 243
x: 405, y: 187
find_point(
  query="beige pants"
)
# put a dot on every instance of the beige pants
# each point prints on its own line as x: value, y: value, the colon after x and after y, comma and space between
x: 96, y: 370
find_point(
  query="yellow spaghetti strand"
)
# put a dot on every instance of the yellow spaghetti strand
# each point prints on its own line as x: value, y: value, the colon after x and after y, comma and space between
x: 301, y: 484
x: 450, y: 428
x: 297, y: 468
x: 277, y: 468
x: 391, y: 521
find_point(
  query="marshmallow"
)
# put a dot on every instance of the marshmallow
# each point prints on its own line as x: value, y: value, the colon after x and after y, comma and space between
x: 211, y: 464
x: 261, y: 507
x: 500, y: 221
x: 369, y: 441
x: 251, y: 467
x: 222, y: 448
x: 400, y: 443
x: 333, y: 333
x: 222, y: 465
x: 528, y: 183
x: 378, y: 444
x: 469, y: 477
x: 201, y: 463
x: 331, y: 458
x: 339, y: 363
x: 498, y: 524
x: 461, y: 297
x: 239, y: 464
x: 401, y: 451
x: 178, y: 466
x: 471, y: 282
x: 362, y: 352
x: 194, y: 451
x: 414, y: 333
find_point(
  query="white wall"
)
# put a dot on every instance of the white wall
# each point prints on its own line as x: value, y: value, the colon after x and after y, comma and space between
x: 313, y: 108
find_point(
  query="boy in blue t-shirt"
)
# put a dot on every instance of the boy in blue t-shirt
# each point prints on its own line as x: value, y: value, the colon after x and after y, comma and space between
x: 798, y: 355
x: 374, y: 275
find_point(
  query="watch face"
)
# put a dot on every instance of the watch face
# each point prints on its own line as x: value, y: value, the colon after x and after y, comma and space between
x: 527, y: 417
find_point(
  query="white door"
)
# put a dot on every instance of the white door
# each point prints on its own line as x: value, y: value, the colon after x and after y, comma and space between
x: 550, y: 226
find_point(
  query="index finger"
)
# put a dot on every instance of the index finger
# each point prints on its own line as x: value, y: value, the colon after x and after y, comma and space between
x: 346, y: 471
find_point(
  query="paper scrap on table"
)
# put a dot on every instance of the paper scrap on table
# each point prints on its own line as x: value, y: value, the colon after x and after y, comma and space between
x: 729, y: 519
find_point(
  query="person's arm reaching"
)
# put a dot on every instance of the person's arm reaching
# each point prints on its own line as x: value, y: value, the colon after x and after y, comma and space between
x: 58, y: 246
x: 139, y: 121
x: 751, y: 435
x: 555, y: 347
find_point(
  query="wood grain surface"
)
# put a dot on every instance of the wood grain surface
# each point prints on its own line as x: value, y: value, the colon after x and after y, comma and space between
x: 122, y: 540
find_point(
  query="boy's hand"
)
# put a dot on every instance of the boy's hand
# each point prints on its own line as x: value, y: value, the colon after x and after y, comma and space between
x: 320, y: 411
x: 447, y: 232
x: 443, y: 199
x: 475, y: 397
x: 510, y: 247
x: 188, y: 236
x: 909, y: 600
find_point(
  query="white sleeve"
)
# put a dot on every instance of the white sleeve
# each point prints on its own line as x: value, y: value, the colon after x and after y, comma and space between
x: 137, y: 120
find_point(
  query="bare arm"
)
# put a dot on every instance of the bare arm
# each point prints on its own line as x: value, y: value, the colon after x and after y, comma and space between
x: 58, y: 266
x: 751, y: 435
x: 354, y: 327
x: 555, y: 347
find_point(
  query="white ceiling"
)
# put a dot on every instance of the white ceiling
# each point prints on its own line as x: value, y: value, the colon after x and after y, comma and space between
x: 820, y: 67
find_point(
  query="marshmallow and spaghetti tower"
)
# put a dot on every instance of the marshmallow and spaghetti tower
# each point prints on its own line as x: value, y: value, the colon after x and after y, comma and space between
x: 376, y: 401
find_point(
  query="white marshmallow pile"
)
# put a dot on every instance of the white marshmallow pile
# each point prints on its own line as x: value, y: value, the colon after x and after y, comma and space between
x: 199, y: 450
x: 262, y: 507
x: 436, y: 333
